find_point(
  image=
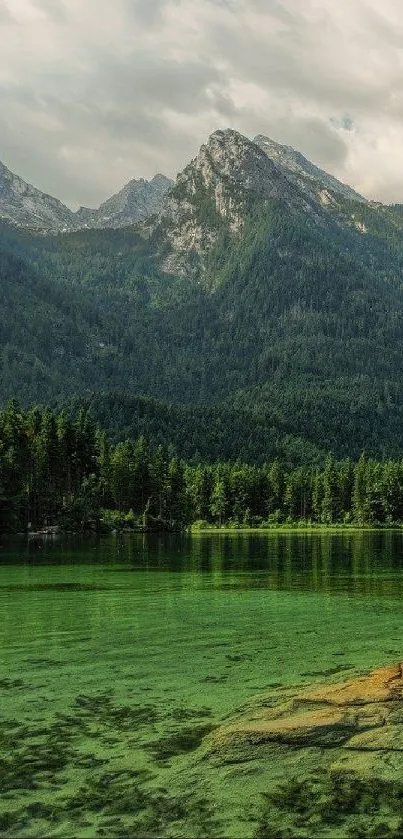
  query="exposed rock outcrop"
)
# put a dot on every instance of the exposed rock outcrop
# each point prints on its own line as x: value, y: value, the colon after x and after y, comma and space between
x: 301, y: 171
x: 362, y: 714
x: 216, y: 190
x: 25, y: 206
x: 138, y: 200
x: 323, y: 761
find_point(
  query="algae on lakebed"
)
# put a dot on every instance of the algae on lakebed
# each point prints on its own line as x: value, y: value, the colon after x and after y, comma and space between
x: 322, y: 760
x: 327, y: 759
x: 121, y: 662
x: 336, y: 804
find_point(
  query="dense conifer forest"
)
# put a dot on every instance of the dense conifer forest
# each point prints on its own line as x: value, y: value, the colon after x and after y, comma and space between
x: 61, y: 470
x: 277, y: 339
x: 294, y: 331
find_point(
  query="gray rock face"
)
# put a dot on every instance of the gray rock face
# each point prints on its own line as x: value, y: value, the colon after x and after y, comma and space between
x: 304, y: 173
x: 218, y: 184
x: 26, y: 206
x: 138, y: 200
x: 215, y: 188
x: 230, y: 166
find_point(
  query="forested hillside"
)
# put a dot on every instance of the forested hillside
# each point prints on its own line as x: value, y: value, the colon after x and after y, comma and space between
x: 198, y: 432
x: 277, y: 333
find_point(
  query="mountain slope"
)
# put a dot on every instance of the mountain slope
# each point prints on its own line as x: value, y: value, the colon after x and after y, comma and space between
x: 304, y: 173
x: 136, y: 201
x: 27, y: 207
x: 45, y: 332
x: 245, y: 293
x: 197, y: 432
x: 216, y: 192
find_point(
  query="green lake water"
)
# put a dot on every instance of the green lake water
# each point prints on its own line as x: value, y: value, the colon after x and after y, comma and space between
x: 119, y: 655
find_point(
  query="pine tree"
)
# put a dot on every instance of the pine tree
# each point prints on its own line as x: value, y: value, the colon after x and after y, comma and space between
x: 360, y: 505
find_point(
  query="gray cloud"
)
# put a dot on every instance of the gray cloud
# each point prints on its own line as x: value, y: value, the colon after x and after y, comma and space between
x: 93, y: 93
x: 54, y: 10
x: 5, y: 14
x: 145, y: 12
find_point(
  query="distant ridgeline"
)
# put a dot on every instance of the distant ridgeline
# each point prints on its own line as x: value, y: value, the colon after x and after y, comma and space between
x: 62, y: 470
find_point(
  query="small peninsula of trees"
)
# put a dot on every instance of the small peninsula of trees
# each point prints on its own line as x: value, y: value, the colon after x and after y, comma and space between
x: 61, y: 470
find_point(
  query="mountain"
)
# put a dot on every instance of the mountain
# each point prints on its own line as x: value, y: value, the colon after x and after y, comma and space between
x: 304, y: 173
x: 216, y: 193
x: 230, y: 175
x: 27, y: 207
x: 229, y: 159
x: 136, y: 201
x: 248, y: 302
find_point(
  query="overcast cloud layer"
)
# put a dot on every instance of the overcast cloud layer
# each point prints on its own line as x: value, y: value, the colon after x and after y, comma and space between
x: 95, y: 92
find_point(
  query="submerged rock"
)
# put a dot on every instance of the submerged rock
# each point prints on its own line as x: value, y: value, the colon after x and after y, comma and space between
x: 315, y: 761
x: 365, y: 713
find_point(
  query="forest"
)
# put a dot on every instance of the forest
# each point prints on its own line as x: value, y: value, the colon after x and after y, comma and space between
x: 291, y: 338
x: 62, y: 470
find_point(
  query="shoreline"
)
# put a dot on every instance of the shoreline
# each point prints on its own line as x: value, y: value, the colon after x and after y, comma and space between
x: 191, y: 530
x: 296, y: 528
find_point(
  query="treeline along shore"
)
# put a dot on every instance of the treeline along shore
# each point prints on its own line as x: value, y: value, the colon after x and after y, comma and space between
x: 62, y: 471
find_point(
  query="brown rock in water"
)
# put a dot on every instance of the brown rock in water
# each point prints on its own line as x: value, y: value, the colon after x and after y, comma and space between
x: 381, y: 685
x: 365, y: 713
x: 317, y: 760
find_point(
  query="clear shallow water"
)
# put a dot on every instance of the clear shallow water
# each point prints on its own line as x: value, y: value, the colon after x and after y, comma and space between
x: 117, y: 656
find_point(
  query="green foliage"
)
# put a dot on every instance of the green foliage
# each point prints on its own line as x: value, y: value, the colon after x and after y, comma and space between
x: 286, y: 332
x: 198, y: 432
x: 56, y: 470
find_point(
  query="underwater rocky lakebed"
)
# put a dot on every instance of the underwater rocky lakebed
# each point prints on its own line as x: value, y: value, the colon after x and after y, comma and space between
x: 190, y: 686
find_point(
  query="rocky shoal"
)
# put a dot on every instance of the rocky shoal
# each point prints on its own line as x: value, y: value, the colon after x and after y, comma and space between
x: 324, y: 760
x: 365, y: 713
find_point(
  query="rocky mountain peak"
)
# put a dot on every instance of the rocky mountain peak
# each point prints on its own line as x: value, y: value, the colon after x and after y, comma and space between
x: 160, y: 180
x: 227, y: 168
x: 216, y: 188
x: 136, y: 201
x: 229, y: 161
x: 301, y: 171
x: 25, y: 206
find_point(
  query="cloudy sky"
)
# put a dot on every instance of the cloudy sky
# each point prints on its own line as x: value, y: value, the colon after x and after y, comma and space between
x: 95, y: 92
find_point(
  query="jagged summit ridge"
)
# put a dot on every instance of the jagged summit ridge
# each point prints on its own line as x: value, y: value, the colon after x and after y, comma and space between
x: 228, y: 166
x: 302, y: 171
x: 26, y: 206
x: 218, y: 186
x: 229, y: 160
x: 137, y: 200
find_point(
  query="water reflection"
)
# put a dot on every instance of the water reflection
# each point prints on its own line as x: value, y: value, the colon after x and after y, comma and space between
x: 358, y: 562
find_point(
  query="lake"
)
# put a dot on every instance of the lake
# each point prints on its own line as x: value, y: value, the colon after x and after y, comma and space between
x: 119, y: 656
